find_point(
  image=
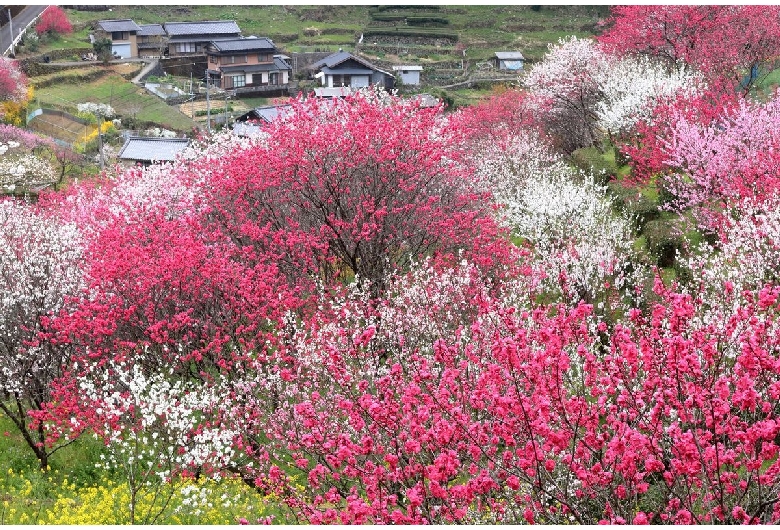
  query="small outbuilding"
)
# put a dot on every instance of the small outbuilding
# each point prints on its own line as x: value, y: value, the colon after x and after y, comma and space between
x: 512, y: 61
x: 146, y: 151
x: 409, y: 74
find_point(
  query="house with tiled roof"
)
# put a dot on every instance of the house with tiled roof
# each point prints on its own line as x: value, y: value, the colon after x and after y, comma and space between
x: 146, y: 151
x: 123, y: 36
x: 189, y: 38
x: 342, y: 69
x: 151, y: 40
x: 249, y: 64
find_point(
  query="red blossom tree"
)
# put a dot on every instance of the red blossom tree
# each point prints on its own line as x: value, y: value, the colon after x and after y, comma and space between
x: 54, y: 20
x: 353, y: 188
x: 725, y: 43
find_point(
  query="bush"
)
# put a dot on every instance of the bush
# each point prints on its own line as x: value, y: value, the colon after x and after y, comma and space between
x: 591, y: 159
x: 664, y: 240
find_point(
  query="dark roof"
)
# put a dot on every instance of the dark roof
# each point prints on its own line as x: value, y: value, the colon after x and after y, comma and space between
x: 335, y: 59
x: 244, y: 44
x: 266, y: 114
x: 148, y: 30
x: 213, y: 27
x: 152, y: 149
x: 124, y: 24
x: 277, y: 66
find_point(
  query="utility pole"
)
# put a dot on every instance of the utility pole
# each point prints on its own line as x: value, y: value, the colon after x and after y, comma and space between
x: 208, y: 103
x: 100, y: 141
x: 11, y: 27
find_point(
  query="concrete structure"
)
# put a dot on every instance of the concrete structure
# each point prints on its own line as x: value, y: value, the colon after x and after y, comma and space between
x: 409, y: 75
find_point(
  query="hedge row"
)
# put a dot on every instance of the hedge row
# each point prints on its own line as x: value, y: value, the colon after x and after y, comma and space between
x: 431, y: 33
x: 70, y: 77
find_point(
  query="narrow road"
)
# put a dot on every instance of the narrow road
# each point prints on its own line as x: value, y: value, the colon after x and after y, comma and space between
x: 19, y: 23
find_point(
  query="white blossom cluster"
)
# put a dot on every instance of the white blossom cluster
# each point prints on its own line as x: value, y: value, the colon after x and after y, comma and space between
x: 162, y: 419
x: 633, y: 86
x: 40, y: 265
x: 19, y: 167
x: 573, y: 228
x: 748, y: 255
x: 158, y: 132
x: 97, y: 109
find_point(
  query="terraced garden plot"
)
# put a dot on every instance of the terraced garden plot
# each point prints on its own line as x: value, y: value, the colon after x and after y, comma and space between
x: 61, y: 128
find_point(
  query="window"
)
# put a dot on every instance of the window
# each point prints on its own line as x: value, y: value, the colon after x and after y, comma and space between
x: 265, y: 58
x: 185, y: 47
x: 273, y: 78
x: 119, y: 35
x: 239, y: 81
x: 235, y: 59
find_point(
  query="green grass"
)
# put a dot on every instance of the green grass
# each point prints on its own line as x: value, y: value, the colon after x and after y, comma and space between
x: 483, y: 29
x: 126, y: 98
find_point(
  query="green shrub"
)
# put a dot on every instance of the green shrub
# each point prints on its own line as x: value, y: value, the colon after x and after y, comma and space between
x: 664, y: 241
x: 636, y: 204
x: 601, y: 164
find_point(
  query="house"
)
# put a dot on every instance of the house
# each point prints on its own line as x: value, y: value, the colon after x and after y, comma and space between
x: 247, y: 65
x: 347, y: 70
x: 146, y: 151
x: 123, y: 36
x: 189, y: 38
x: 151, y: 40
x: 410, y: 75
x: 252, y: 122
x: 512, y: 61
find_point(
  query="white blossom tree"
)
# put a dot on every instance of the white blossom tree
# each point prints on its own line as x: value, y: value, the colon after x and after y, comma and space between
x: 634, y: 85
x: 39, y: 267
x: 569, y: 79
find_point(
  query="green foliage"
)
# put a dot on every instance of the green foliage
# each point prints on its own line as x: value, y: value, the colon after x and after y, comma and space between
x: 637, y: 205
x: 602, y: 164
x: 102, y: 49
x: 664, y: 239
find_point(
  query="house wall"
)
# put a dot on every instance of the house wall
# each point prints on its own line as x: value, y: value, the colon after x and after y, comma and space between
x: 409, y: 77
x: 250, y: 58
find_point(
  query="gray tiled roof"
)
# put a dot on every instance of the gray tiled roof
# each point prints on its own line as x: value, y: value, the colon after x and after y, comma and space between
x: 235, y: 45
x: 277, y: 66
x: 336, y: 59
x: 214, y: 27
x: 124, y: 24
x: 152, y: 149
x: 509, y: 56
x: 332, y: 61
x: 150, y: 30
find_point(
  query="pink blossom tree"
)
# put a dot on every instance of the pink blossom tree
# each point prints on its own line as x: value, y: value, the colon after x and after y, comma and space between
x: 13, y: 83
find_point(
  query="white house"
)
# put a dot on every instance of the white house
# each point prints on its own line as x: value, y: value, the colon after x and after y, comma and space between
x: 410, y: 75
x: 343, y: 69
